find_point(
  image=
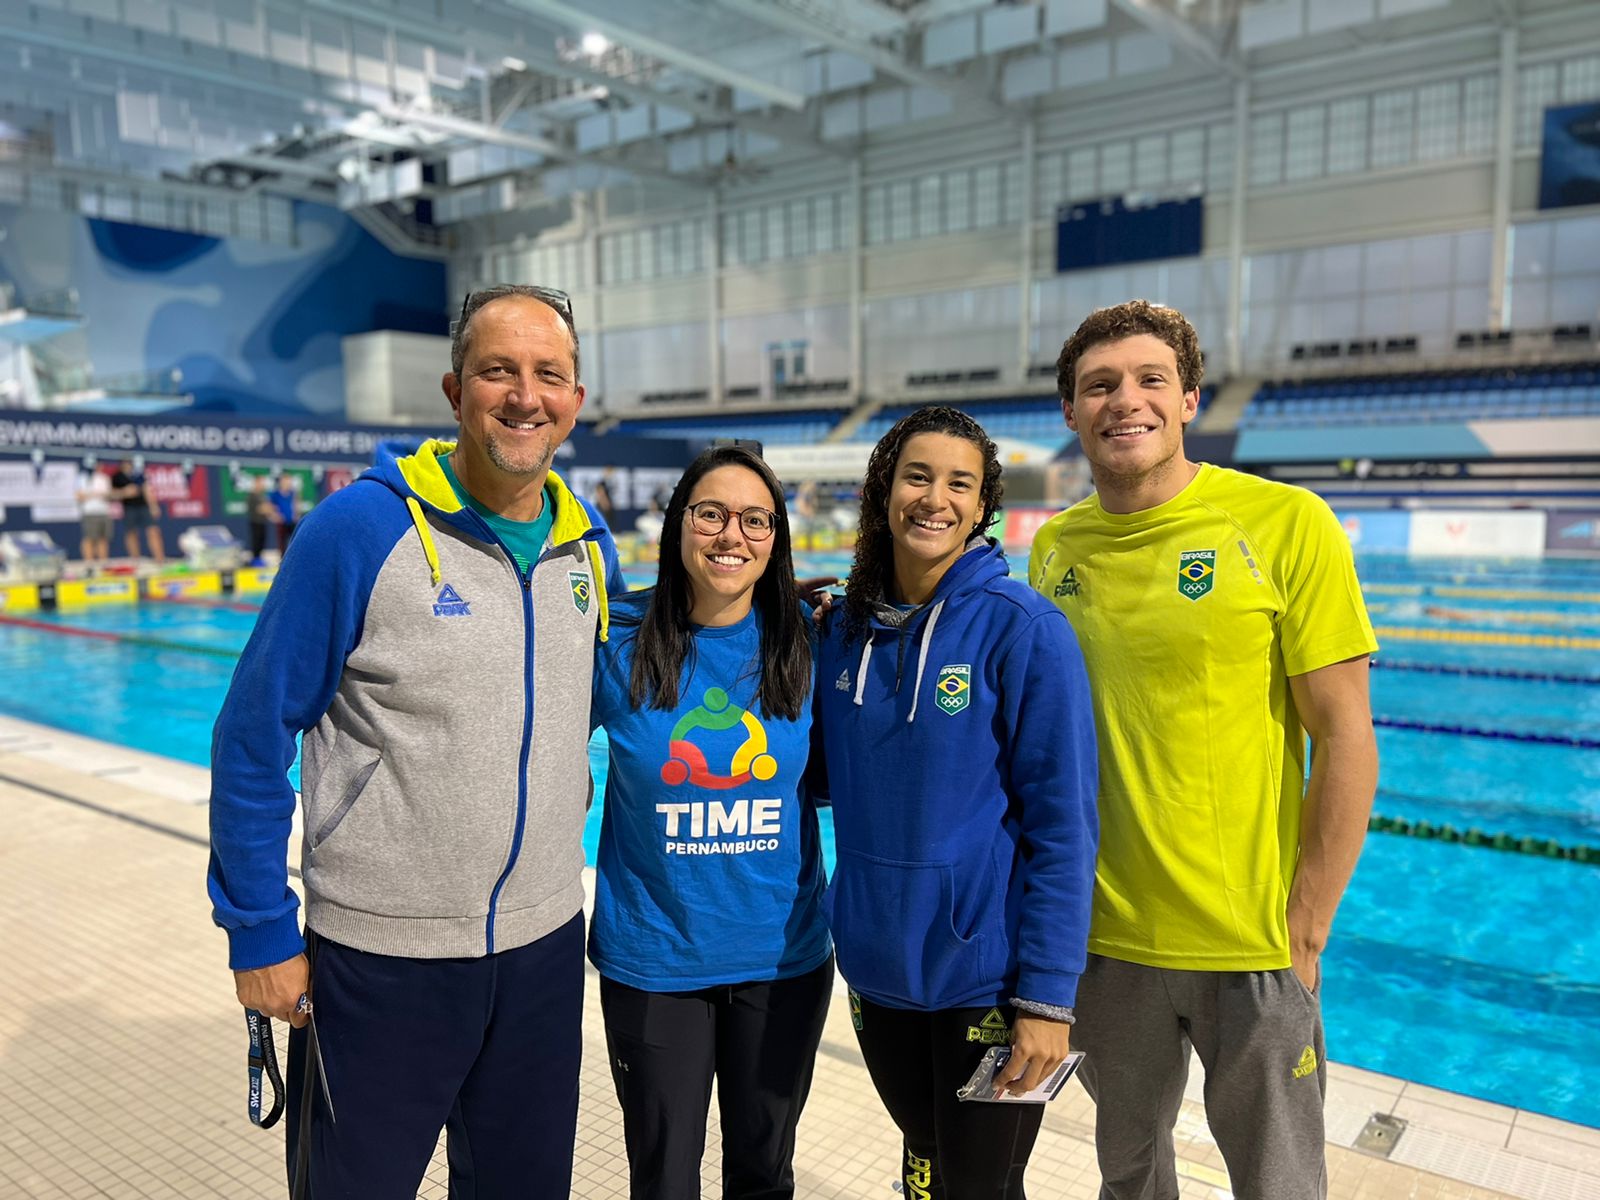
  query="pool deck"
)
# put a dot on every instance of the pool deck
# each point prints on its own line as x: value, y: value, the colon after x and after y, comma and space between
x: 121, y: 1048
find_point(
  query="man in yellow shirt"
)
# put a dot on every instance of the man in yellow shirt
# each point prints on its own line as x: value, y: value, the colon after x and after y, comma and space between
x: 1222, y: 623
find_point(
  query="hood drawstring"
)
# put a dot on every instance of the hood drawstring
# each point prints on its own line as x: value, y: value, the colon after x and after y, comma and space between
x: 597, y: 567
x: 924, y: 640
x: 861, y: 671
x: 922, y: 658
x: 429, y: 551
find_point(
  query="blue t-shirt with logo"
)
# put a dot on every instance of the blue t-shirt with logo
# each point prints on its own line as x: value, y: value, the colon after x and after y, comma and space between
x: 710, y: 870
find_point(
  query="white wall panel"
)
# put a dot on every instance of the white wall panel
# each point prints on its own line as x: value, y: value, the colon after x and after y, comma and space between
x: 1073, y: 16
x: 952, y: 41
x: 1137, y: 53
x: 1274, y: 21
x: 1007, y: 27
x: 1089, y: 62
x: 1033, y: 75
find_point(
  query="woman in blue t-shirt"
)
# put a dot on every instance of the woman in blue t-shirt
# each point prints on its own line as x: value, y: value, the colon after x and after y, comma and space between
x: 713, y: 955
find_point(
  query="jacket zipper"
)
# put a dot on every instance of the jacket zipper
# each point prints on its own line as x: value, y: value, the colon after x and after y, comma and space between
x: 527, y: 740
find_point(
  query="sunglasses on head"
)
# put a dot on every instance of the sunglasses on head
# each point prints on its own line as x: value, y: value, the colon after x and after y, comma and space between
x: 554, y: 297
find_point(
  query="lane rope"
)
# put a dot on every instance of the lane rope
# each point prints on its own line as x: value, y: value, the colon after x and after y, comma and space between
x: 1536, y: 847
x: 126, y: 639
x: 1544, y: 641
x: 1500, y: 735
x: 1484, y: 672
x: 1474, y: 593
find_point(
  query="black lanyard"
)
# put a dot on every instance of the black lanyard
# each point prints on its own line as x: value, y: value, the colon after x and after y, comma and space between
x: 263, y: 1061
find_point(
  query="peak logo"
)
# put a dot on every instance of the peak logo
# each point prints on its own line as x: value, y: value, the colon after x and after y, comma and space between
x: 450, y: 604
x: 686, y: 762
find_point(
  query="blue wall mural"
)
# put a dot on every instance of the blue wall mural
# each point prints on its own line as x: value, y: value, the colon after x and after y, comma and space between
x: 252, y: 327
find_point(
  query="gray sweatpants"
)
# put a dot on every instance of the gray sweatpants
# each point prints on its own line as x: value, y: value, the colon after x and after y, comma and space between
x: 1259, y: 1037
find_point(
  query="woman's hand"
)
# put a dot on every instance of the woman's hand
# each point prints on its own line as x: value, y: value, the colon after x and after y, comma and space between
x: 1038, y: 1046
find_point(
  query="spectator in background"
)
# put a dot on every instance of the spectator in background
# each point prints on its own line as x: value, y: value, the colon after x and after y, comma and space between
x: 283, y: 502
x: 262, y: 513
x: 602, y: 498
x: 139, y: 510
x: 94, y: 510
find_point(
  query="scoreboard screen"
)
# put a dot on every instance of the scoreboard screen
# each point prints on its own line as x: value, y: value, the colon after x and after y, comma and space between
x: 1102, y: 233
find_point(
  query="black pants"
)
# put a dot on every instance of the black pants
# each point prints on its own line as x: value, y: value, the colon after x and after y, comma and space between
x: 954, y: 1149
x: 485, y: 1048
x: 758, y: 1039
x: 258, y: 539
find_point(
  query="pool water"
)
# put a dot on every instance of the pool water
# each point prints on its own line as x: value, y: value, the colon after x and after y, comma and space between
x: 1463, y: 968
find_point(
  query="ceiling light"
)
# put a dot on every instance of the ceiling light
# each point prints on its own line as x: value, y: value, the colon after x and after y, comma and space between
x: 513, y: 64
x: 595, y: 44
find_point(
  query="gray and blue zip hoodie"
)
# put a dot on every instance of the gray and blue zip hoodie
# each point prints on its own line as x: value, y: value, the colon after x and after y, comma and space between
x: 444, y: 702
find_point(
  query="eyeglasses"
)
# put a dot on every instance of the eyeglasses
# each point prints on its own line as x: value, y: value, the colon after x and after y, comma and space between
x: 710, y: 518
x: 555, y: 298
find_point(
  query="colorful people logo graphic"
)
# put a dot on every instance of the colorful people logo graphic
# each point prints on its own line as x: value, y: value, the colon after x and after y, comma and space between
x: 687, y: 763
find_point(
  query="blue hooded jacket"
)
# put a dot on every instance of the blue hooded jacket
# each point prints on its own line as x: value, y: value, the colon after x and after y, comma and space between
x: 961, y: 763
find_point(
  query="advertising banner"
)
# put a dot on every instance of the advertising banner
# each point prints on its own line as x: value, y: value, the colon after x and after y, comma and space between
x: 1474, y: 533
x: 1022, y: 523
x: 1573, y: 529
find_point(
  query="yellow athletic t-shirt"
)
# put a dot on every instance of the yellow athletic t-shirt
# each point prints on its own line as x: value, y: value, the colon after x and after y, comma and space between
x: 1191, y: 616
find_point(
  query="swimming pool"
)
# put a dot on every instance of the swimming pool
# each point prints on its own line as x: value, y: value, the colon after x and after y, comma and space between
x: 1464, y: 968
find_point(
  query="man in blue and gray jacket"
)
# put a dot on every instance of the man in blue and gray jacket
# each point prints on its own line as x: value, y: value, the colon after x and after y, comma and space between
x: 431, y: 635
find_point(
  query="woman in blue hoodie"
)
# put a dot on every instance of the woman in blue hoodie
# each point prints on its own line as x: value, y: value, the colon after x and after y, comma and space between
x: 960, y: 759
x: 713, y: 955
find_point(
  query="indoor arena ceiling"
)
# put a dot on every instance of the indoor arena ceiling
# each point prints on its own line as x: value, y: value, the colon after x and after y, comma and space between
x: 362, y: 102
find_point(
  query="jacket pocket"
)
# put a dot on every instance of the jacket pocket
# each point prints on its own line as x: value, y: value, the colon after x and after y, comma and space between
x: 352, y: 793
x: 894, y: 932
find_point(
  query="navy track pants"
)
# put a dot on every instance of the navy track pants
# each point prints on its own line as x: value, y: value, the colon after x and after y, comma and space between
x: 486, y: 1048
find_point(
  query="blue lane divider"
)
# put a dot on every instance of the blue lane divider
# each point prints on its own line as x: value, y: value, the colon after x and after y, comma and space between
x: 1485, y: 672
x: 1503, y: 735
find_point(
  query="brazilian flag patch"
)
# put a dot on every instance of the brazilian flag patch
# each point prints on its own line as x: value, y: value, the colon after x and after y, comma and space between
x: 1197, y: 570
x: 582, y: 588
x: 953, y: 688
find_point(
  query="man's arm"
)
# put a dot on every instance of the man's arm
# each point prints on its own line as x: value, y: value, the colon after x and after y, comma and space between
x: 285, y: 680
x: 1334, y: 707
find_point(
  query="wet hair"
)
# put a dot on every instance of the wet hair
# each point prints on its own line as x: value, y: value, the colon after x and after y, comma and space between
x: 665, y: 641
x: 874, y: 560
x: 1130, y: 319
x: 459, y: 341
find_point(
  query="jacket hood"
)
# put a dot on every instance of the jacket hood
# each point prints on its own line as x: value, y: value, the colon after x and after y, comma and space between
x: 980, y: 564
x: 420, y: 481
x: 419, y: 475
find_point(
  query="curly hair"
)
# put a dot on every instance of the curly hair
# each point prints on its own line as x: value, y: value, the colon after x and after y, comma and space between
x: 874, y: 561
x: 1126, y: 320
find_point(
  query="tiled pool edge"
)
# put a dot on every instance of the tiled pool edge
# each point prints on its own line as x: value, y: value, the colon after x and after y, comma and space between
x: 1457, y: 1137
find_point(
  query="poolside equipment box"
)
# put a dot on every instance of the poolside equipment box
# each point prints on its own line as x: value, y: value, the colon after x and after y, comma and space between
x: 31, y: 556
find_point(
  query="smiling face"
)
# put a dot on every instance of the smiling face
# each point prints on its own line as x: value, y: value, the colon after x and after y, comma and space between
x: 934, y: 500
x: 516, y: 397
x: 1128, y: 410
x: 723, y: 567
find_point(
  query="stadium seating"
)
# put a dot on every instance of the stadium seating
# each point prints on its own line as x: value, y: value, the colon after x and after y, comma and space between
x: 1499, y: 393
x: 1035, y: 419
x: 804, y: 427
